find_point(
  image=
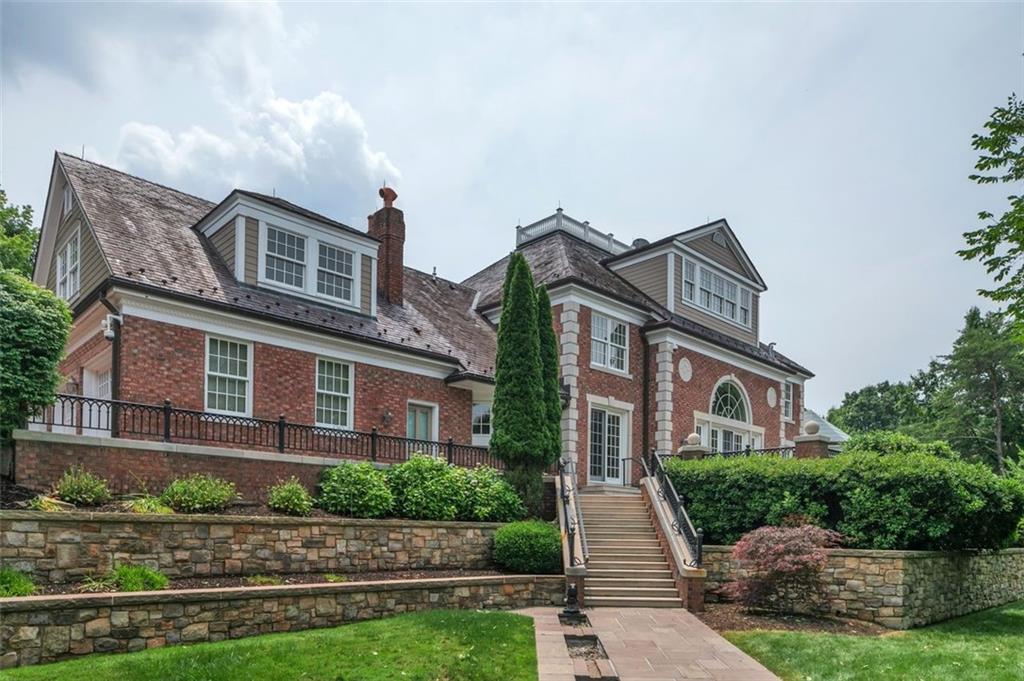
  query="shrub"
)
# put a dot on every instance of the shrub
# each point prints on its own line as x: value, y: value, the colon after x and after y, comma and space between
x: 783, y: 568
x: 911, y: 501
x: 529, y: 546
x: 355, y: 489
x: 290, y: 497
x: 199, y: 493
x: 80, y: 487
x: 889, y: 442
x: 127, y: 577
x: 335, y: 578
x: 147, y: 504
x: 427, y: 488
x: 15, y: 583
x: 492, y: 498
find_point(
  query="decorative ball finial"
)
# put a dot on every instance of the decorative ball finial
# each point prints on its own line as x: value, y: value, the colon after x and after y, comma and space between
x: 389, y: 195
x: 693, y: 439
x: 812, y: 427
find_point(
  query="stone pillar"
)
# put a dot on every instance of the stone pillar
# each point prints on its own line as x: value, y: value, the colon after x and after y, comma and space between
x: 811, y: 445
x: 663, y: 398
x: 568, y: 365
x: 693, y: 449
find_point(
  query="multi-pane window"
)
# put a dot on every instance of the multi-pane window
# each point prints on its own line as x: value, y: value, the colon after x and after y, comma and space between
x: 481, y: 422
x: 605, y: 445
x: 333, y: 393
x: 717, y: 294
x: 286, y: 258
x: 787, y: 400
x: 227, y: 376
x: 608, y: 343
x: 68, y: 268
x: 729, y: 402
x: 334, y: 273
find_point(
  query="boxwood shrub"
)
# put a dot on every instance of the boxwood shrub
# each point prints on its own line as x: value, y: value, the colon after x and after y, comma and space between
x: 877, y: 501
x: 355, y: 489
x: 530, y: 547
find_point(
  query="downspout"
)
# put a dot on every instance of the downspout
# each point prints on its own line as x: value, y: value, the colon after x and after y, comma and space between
x: 115, y: 362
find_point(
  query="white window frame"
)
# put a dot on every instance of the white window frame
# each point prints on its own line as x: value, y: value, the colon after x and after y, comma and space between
x: 787, y: 401
x: 720, y: 285
x: 435, y: 425
x: 349, y: 396
x: 69, y: 276
x: 250, y: 361
x: 610, y: 322
x: 351, y: 277
x: 67, y: 200
x: 481, y: 439
x: 312, y: 264
x: 265, y: 241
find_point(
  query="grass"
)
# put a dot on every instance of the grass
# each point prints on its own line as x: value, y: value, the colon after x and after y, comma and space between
x: 984, y: 646
x: 451, y: 645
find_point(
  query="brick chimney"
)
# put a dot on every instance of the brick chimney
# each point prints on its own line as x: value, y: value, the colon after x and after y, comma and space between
x: 388, y: 225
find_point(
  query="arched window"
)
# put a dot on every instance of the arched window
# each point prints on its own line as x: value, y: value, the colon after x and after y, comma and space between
x: 729, y: 402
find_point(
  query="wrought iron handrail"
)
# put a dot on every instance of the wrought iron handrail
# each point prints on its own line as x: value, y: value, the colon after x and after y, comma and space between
x: 784, y: 452
x: 693, y: 538
x: 572, y: 516
x: 117, y: 418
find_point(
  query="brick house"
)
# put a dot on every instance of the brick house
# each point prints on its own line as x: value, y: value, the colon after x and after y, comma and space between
x: 257, y: 308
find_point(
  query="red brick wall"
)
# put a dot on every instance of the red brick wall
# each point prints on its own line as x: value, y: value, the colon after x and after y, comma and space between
x: 164, y: 361
x: 72, y: 366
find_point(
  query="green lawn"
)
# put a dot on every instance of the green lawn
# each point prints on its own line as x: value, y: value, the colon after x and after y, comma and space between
x: 986, y: 646
x: 440, y: 645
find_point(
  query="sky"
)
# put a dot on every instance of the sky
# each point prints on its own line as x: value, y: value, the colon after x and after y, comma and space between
x: 834, y: 138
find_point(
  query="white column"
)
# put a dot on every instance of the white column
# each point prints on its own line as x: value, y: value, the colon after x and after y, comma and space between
x: 569, y: 367
x: 663, y: 399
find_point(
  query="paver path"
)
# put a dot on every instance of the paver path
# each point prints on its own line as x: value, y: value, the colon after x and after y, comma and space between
x: 646, y: 644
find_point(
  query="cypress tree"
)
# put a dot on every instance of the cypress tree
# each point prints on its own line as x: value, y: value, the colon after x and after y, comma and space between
x: 549, y: 373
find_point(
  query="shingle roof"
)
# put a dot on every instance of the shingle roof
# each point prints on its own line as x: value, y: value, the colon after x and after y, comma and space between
x: 145, y: 232
x: 296, y: 209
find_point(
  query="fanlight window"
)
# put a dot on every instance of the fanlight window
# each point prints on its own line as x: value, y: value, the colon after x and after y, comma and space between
x: 729, y: 403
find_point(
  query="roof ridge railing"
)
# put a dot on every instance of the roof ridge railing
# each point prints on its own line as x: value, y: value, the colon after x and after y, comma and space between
x: 581, y: 230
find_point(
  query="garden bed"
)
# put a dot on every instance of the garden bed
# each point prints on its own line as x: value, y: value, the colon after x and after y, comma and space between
x: 283, y: 580
x: 732, y: 617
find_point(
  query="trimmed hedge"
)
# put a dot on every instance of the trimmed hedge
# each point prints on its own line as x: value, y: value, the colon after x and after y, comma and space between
x: 529, y: 547
x: 912, y: 501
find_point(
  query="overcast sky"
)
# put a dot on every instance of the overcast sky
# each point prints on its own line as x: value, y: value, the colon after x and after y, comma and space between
x: 834, y: 138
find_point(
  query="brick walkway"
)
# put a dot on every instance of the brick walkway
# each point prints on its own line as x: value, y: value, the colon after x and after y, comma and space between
x: 644, y: 644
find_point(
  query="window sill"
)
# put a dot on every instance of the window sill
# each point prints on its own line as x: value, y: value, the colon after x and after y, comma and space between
x: 613, y: 372
x: 303, y: 293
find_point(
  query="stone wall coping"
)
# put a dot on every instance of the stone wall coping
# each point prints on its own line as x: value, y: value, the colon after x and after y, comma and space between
x: 115, y: 600
x: 211, y: 519
x: 883, y: 553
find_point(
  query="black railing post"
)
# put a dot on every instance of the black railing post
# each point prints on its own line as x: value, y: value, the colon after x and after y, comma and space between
x: 450, y: 450
x: 281, y: 425
x: 373, y: 444
x: 167, y: 420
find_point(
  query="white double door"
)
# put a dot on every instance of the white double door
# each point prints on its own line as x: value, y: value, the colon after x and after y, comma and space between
x: 608, y: 445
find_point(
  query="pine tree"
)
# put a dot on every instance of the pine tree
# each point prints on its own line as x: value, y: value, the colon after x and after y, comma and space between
x: 549, y: 374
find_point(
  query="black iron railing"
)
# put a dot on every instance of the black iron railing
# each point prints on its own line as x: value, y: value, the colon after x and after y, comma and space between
x: 114, y: 418
x: 572, y: 517
x: 693, y: 538
x: 784, y: 452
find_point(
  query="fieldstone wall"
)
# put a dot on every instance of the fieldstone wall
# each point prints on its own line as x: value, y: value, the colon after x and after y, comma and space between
x: 49, y: 628
x: 65, y: 547
x: 899, y: 589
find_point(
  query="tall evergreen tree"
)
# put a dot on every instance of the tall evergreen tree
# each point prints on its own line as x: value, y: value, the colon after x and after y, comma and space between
x: 519, y: 431
x: 549, y: 371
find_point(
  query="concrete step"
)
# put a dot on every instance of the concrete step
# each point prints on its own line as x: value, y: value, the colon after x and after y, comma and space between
x: 632, y: 602
x: 626, y: 573
x: 626, y: 590
x: 648, y: 583
x: 620, y: 536
x: 637, y: 528
x: 622, y: 546
x: 611, y: 553
x: 598, y: 564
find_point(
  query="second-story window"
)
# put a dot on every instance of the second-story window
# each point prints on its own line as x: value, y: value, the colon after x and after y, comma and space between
x: 609, y: 343
x: 717, y: 294
x: 481, y: 423
x: 787, y: 400
x: 689, y: 280
x: 334, y: 273
x: 286, y: 258
x: 67, y: 268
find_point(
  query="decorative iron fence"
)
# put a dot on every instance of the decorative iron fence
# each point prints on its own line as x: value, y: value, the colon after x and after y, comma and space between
x: 693, y: 538
x: 113, y: 418
x: 783, y: 452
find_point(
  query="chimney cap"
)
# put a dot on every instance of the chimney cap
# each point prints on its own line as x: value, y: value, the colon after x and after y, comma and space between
x: 389, y: 195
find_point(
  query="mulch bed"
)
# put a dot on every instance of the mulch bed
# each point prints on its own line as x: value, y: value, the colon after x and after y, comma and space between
x: 732, y: 617
x: 12, y: 496
x: 303, y: 578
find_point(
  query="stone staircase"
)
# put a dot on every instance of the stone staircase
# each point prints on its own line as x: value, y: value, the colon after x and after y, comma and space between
x: 627, y: 567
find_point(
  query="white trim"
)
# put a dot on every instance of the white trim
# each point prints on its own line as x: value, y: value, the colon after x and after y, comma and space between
x: 731, y: 378
x: 792, y: 402
x: 62, y: 253
x: 481, y: 440
x: 722, y: 274
x: 435, y: 424
x: 686, y: 251
x: 351, y: 395
x: 373, y: 284
x: 250, y: 360
x: 256, y: 330
x: 671, y: 257
x: 240, y: 248
x: 731, y: 424
x: 573, y: 293
x: 694, y: 344
x: 640, y: 257
x: 734, y: 242
x: 625, y: 414
x: 611, y: 321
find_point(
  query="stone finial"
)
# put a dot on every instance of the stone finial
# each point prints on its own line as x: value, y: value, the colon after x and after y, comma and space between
x: 693, y: 439
x: 812, y: 427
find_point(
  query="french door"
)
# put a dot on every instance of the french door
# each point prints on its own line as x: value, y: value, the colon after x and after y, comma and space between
x: 607, y: 444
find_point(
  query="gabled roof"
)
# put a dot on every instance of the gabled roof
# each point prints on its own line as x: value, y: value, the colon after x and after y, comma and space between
x: 145, y: 231
x: 720, y: 225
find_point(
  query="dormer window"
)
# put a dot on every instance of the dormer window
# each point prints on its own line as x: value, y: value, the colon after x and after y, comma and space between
x: 334, y: 273
x: 286, y: 258
x: 716, y: 293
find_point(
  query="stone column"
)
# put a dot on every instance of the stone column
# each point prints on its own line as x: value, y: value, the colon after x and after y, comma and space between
x: 811, y: 445
x: 693, y: 449
x: 663, y: 398
x: 569, y: 348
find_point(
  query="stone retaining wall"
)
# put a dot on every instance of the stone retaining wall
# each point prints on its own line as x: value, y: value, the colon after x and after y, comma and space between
x: 63, y: 547
x: 900, y: 589
x: 47, y: 628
